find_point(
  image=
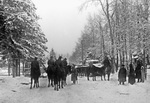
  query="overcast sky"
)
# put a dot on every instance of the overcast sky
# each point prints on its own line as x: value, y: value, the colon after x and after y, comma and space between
x: 61, y: 22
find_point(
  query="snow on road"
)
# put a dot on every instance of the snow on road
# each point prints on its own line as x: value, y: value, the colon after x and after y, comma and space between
x: 16, y: 90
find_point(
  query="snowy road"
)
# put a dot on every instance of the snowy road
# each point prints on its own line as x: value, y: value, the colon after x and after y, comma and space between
x: 15, y: 90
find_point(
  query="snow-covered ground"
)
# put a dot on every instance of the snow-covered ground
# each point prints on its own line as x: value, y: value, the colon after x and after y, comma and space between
x: 16, y: 90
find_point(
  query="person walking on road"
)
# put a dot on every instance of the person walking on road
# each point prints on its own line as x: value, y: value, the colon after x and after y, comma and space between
x: 74, y: 75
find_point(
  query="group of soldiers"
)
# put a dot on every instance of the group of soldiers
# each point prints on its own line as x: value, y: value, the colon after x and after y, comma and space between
x: 64, y: 64
x: 136, y: 71
x: 57, y: 71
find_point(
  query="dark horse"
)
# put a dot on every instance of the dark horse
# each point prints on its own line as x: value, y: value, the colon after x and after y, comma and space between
x: 50, y: 71
x: 92, y: 71
x: 100, y: 70
x: 96, y: 70
x: 35, y: 73
x: 59, y: 75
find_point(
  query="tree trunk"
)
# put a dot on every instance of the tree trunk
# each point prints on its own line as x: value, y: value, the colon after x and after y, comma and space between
x: 9, y: 66
x: 117, y: 61
x: 19, y: 66
x: 126, y: 52
x: 103, y: 44
x: 120, y: 57
x: 23, y: 67
x: 123, y: 56
x: 111, y: 36
x: 16, y: 61
x: 14, y: 68
x: 144, y: 63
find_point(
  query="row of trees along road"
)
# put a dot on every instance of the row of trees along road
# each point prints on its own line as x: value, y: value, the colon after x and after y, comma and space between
x: 21, y: 37
x: 120, y: 28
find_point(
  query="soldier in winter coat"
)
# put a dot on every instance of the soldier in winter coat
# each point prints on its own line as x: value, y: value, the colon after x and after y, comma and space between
x: 122, y: 75
x: 131, y: 74
x: 142, y: 74
x: 138, y: 70
x: 35, y: 72
x: 74, y: 74
x: 35, y: 68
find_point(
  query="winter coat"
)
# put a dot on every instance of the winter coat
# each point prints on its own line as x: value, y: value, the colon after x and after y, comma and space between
x: 74, y: 75
x: 142, y: 74
x: 138, y: 69
x: 35, y: 69
x: 122, y: 74
x: 131, y: 75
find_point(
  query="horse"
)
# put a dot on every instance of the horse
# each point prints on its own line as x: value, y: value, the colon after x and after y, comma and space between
x: 93, y: 71
x: 59, y: 75
x: 96, y: 70
x: 100, y: 71
x: 50, y: 73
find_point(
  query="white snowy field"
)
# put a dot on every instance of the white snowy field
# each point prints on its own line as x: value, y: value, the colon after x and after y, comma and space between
x: 16, y: 90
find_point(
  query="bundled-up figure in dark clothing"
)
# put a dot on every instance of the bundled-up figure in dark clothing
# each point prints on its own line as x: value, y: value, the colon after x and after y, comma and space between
x: 122, y: 75
x: 142, y: 74
x: 131, y: 74
x: 64, y: 64
x: 138, y: 70
x: 35, y: 72
x: 74, y: 74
